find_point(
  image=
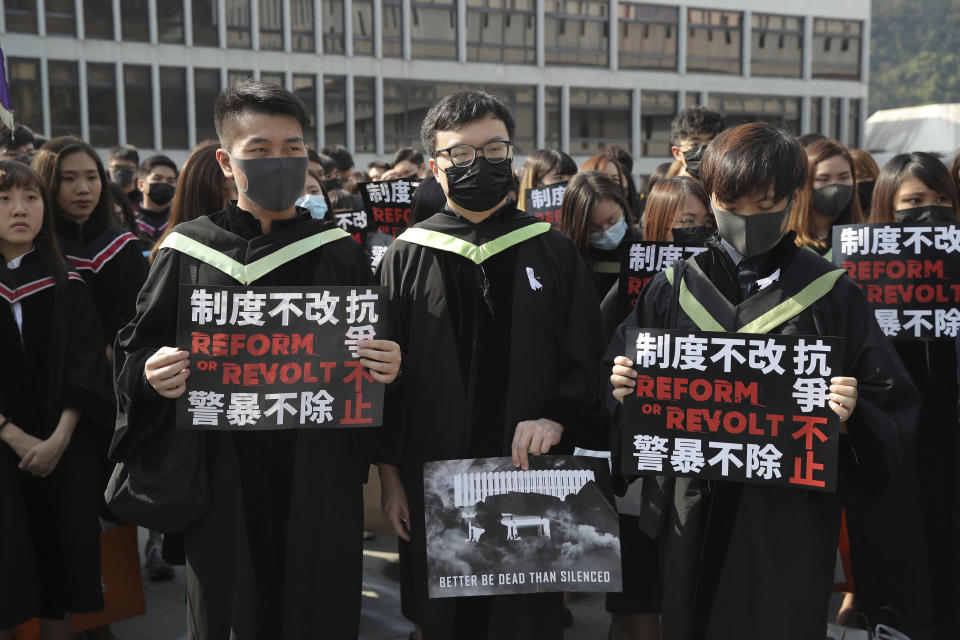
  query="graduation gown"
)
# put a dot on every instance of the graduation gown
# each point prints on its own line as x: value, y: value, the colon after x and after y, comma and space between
x: 278, y: 554
x: 152, y: 224
x: 750, y: 561
x: 49, y: 527
x: 500, y: 326
x: 113, y: 266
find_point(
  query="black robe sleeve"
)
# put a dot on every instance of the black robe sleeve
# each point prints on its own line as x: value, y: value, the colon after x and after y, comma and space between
x: 389, y: 439
x: 140, y: 409
x: 131, y: 271
x: 86, y: 384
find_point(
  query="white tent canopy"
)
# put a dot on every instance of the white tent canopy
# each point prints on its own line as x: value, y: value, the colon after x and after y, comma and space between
x: 931, y: 127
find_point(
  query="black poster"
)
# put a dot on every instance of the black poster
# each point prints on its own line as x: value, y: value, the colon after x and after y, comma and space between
x: 642, y: 261
x: 910, y: 274
x: 545, y: 202
x: 494, y: 529
x: 731, y: 406
x: 278, y: 357
x: 351, y: 221
x: 388, y: 204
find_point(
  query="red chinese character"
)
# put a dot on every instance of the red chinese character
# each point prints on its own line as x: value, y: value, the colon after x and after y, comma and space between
x: 804, y: 467
x: 358, y: 375
x: 807, y: 477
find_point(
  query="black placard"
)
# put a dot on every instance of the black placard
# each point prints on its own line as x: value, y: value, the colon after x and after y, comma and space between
x: 735, y: 407
x: 352, y: 221
x: 545, y: 202
x: 388, y: 204
x: 642, y: 261
x: 910, y: 274
x: 493, y: 529
x: 278, y: 357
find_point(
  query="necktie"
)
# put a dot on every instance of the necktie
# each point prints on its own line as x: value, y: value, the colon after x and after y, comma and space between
x: 747, y: 275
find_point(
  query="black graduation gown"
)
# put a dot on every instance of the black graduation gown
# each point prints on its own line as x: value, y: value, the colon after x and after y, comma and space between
x: 605, y: 263
x: 113, y: 266
x: 152, y: 225
x: 486, y: 346
x: 751, y: 561
x: 49, y: 527
x: 278, y: 554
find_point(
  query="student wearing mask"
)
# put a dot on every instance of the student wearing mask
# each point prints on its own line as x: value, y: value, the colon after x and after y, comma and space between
x: 265, y: 560
x: 373, y: 241
x: 18, y: 144
x: 56, y: 417
x: 866, y: 170
x: 678, y: 210
x: 604, y: 164
x: 108, y: 257
x: 543, y: 168
x: 690, y: 132
x: 157, y: 183
x: 123, y: 162
x: 593, y: 215
x: 312, y: 198
x: 343, y: 159
x: 917, y: 187
x: 472, y: 291
x: 828, y: 198
x: 751, y: 561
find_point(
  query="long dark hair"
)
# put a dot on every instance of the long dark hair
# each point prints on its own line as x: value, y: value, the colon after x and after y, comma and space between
x: 922, y: 166
x: 538, y: 164
x: 199, y: 189
x: 584, y: 192
x: 47, y: 163
x: 127, y: 216
x: 801, y: 216
x: 665, y: 200
x: 15, y: 175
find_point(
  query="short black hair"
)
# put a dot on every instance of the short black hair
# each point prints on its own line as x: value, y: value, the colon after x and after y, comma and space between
x: 379, y: 164
x: 125, y: 152
x: 159, y: 160
x: 328, y: 163
x: 20, y: 136
x: 340, y: 155
x: 808, y: 139
x: 254, y: 96
x: 408, y: 154
x: 753, y: 159
x: 456, y: 110
x: 695, y: 121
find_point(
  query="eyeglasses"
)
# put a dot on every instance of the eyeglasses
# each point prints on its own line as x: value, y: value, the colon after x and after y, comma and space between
x: 463, y: 155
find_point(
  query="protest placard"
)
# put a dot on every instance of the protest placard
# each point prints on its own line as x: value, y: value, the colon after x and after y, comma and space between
x: 388, y: 204
x: 642, y: 261
x: 730, y: 406
x: 278, y: 357
x: 545, y: 202
x: 494, y: 529
x: 352, y: 221
x: 910, y: 274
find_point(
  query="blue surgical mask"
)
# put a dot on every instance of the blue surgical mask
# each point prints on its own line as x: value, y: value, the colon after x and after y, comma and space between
x: 609, y: 238
x: 315, y: 204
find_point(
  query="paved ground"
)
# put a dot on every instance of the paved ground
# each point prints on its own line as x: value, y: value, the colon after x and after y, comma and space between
x: 381, y: 619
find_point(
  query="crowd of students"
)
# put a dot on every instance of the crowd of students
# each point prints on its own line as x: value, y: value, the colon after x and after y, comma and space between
x: 505, y: 339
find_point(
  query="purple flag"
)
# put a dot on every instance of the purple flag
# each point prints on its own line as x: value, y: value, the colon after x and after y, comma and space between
x: 6, y: 105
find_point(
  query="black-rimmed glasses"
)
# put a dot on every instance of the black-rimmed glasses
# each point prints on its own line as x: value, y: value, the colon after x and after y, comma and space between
x: 463, y: 155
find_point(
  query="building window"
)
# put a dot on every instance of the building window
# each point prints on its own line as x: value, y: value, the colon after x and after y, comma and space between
x: 138, y: 105
x: 777, y: 46
x: 405, y: 104
x: 657, y: 109
x: 98, y: 19
x: 333, y: 28
x: 205, y: 29
x: 134, y: 25
x: 364, y: 122
x: 691, y: 99
x: 853, y: 124
x: 392, y: 32
x: 552, y: 108
x: 102, y: 97
x: 599, y: 118
x: 433, y: 29
x: 301, y: 13
x: 334, y: 110
x: 275, y: 77
x: 816, y: 117
x: 502, y: 31
x: 713, y: 41
x: 206, y: 88
x: 64, y: 98
x: 21, y: 15
x: 362, y: 27
x: 522, y: 102
x: 648, y: 36
x: 271, y: 25
x: 28, y: 98
x: 173, y: 107
x: 61, y: 17
x: 740, y: 109
x: 577, y: 32
x: 305, y: 86
x: 834, y: 121
x: 170, y: 21
x: 836, y: 48
x: 238, y: 24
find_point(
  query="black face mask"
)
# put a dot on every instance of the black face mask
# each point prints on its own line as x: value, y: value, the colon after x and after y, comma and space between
x: 692, y: 157
x: 480, y: 186
x: 160, y: 193
x: 122, y: 177
x: 690, y: 235
x: 865, y: 194
x: 832, y: 199
x: 925, y: 214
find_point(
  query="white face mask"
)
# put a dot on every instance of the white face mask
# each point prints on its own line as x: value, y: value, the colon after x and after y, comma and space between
x: 609, y: 238
x: 315, y: 204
